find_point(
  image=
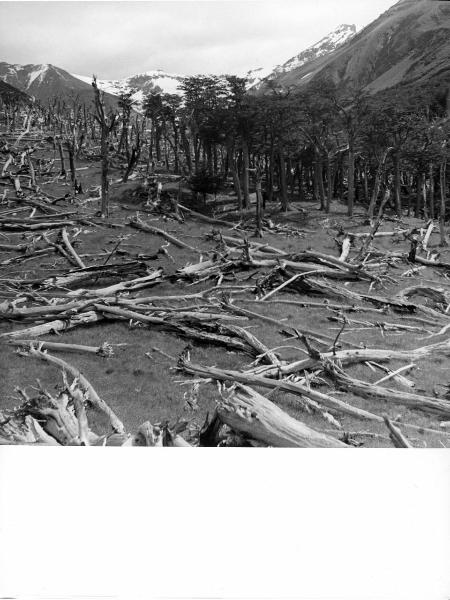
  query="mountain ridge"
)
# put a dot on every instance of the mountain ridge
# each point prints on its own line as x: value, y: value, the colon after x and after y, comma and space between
x: 46, y: 81
x: 408, y: 43
x: 161, y: 81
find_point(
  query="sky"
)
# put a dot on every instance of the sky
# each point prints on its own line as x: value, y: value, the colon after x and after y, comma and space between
x: 119, y: 39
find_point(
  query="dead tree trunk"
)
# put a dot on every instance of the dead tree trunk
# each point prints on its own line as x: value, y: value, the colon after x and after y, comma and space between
x: 351, y: 177
x: 106, y: 125
x: 245, y: 174
x: 443, y: 185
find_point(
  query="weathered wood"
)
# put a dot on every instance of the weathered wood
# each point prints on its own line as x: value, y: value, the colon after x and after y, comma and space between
x: 371, y: 390
x: 283, y: 385
x: 250, y: 413
x: 55, y: 326
x: 94, y: 398
x: 70, y: 248
x: 104, y: 350
x: 138, y: 224
x: 396, y: 436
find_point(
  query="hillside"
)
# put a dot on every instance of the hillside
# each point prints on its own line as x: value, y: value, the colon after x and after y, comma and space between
x: 9, y: 93
x: 142, y: 84
x: 407, y: 44
x: 47, y: 81
x: 160, y: 81
x: 324, y: 47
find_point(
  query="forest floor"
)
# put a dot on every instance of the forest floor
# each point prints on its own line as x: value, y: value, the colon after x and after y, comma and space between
x: 140, y: 383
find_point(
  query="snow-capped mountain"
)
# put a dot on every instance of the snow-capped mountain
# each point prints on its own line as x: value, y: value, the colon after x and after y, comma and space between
x: 163, y: 82
x: 47, y: 81
x: 142, y: 84
x: 323, y: 47
x: 406, y: 45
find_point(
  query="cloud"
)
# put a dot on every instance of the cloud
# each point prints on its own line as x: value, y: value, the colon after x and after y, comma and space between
x: 116, y: 39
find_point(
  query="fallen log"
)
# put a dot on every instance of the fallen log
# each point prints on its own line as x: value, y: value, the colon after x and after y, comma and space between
x: 56, y: 326
x: 219, y: 336
x: 138, y: 224
x: 95, y: 273
x: 351, y: 357
x: 105, y: 349
x: 250, y: 413
x: 396, y: 436
x: 70, y: 248
x: 84, y: 384
x: 123, y: 286
x: 371, y: 390
x: 204, y: 218
x: 284, y: 385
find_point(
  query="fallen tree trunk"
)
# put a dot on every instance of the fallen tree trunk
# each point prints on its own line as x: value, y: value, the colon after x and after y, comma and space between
x: 351, y: 357
x: 56, y: 326
x: 138, y: 224
x: 94, y: 398
x: 104, y: 350
x: 396, y: 436
x: 95, y: 273
x: 370, y: 390
x: 250, y: 413
x: 284, y: 385
x: 123, y: 286
x: 219, y: 336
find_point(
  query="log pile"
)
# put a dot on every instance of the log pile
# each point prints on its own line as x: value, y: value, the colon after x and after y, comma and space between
x: 326, y: 379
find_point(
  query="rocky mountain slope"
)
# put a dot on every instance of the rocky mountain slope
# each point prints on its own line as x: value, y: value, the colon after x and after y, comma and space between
x: 163, y: 82
x: 9, y: 93
x: 142, y: 84
x: 408, y: 44
x: 47, y: 81
x: 327, y: 45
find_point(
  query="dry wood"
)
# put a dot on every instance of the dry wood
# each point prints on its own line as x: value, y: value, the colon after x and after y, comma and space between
x: 94, y: 273
x: 371, y: 390
x: 350, y: 357
x: 345, y: 251
x: 123, y: 286
x: 138, y: 224
x: 70, y: 248
x: 56, y: 326
x: 204, y: 218
x: 94, y: 398
x: 297, y: 389
x: 397, y: 437
x: 250, y: 413
x: 218, y: 336
x: 104, y: 350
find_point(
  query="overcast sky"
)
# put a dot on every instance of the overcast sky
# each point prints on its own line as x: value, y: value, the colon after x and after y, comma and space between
x: 118, y: 39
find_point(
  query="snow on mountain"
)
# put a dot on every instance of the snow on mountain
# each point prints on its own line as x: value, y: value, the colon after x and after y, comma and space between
x: 141, y: 84
x: 326, y: 45
x: 46, y: 81
x: 406, y: 45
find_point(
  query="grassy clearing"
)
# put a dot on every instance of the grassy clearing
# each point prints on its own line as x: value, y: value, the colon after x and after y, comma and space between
x: 143, y: 387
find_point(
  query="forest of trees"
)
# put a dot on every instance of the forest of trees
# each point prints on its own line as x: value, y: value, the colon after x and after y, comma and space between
x: 387, y: 149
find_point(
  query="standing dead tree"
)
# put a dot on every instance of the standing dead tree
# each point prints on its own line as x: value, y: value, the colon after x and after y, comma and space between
x: 107, y: 123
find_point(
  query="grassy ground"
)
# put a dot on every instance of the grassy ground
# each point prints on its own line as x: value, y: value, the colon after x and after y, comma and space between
x: 141, y: 384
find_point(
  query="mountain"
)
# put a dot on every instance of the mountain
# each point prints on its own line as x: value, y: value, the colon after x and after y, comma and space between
x: 8, y: 93
x: 408, y: 44
x: 324, y: 47
x: 47, y: 81
x: 142, y: 84
x: 163, y: 82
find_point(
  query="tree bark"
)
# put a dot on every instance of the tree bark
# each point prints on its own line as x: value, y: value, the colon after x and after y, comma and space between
x: 351, y: 177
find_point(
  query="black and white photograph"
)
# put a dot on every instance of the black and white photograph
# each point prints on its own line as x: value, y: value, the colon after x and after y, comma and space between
x: 226, y: 251
x: 225, y: 224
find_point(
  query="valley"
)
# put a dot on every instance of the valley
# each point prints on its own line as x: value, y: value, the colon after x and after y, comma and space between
x: 217, y: 260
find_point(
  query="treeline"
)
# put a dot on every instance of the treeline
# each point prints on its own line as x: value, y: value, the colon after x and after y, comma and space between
x: 318, y: 144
